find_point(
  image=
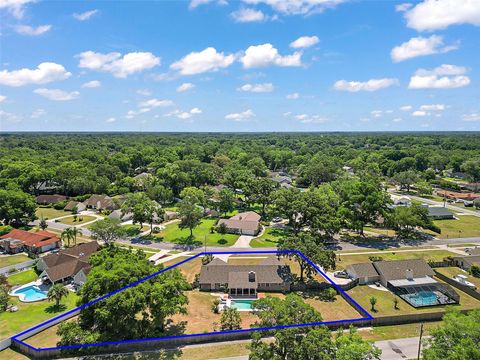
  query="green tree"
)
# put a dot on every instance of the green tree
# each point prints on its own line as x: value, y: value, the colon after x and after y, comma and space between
x: 312, y: 249
x: 260, y: 190
x: 423, y: 188
x: 472, y: 168
x: 226, y: 202
x: 16, y: 207
x: 190, y: 215
x: 406, y: 179
x: 230, y: 319
x: 406, y: 219
x: 373, y: 301
x: 56, y: 293
x: 457, y: 338
x: 107, y: 230
x: 43, y: 223
x: 143, y: 209
x: 4, y: 298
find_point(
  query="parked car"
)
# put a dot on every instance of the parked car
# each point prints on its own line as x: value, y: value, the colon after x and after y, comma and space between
x: 341, y: 274
x: 277, y: 219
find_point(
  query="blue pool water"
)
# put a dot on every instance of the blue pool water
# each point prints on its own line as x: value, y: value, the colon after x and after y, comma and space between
x: 423, y: 298
x: 31, y: 293
x: 242, y: 304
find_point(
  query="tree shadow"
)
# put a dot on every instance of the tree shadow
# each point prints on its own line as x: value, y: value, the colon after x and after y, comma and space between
x: 52, y: 309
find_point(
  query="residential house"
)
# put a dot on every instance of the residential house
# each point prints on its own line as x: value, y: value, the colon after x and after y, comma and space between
x: 452, y: 195
x: 17, y: 241
x: 101, y: 202
x: 466, y: 262
x: 68, y: 264
x: 170, y: 215
x: 119, y: 215
x: 245, y: 223
x: 401, y: 200
x: 74, y: 205
x: 364, y: 272
x: 50, y: 199
x: 439, y: 212
x: 246, y: 280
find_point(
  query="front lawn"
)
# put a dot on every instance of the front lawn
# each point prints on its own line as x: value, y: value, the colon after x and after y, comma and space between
x: 7, y: 260
x: 50, y: 213
x: 31, y: 314
x: 465, y: 226
x: 434, y: 255
x: 22, y: 278
x: 81, y: 219
x: 173, y: 234
x: 269, y: 237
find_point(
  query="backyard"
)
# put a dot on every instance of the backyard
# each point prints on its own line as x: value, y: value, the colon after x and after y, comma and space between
x: 454, y: 271
x: 173, y: 234
x: 22, y: 278
x: 7, y: 260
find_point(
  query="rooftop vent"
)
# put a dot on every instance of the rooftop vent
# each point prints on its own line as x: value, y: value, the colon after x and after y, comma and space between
x: 251, y: 276
x: 409, y: 274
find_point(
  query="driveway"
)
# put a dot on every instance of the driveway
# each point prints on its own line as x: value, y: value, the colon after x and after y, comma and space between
x: 243, y: 242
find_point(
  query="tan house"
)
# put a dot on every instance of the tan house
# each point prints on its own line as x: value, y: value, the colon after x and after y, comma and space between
x: 101, y: 202
x: 246, y: 223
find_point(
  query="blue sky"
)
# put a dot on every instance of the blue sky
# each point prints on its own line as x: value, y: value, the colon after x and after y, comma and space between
x: 245, y: 65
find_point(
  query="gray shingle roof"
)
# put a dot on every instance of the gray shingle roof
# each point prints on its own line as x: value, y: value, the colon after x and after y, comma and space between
x: 364, y: 270
x: 396, y: 270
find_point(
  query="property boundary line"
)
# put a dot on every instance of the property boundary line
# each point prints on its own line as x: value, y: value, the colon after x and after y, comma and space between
x: 367, y: 316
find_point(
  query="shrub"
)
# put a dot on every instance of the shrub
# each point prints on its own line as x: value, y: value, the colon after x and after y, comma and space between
x: 375, y: 258
x: 156, y: 229
x: 475, y: 271
x: 215, y: 304
x: 328, y: 294
x: 59, y: 205
x: 4, y: 229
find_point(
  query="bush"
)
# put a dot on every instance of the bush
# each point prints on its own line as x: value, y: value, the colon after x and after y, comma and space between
x: 475, y: 271
x: 328, y: 294
x: 156, y: 229
x: 60, y: 205
x: 4, y: 229
x: 375, y: 258
x: 215, y: 304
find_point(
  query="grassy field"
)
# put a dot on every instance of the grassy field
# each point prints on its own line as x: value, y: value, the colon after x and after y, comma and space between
x: 453, y: 271
x: 81, y: 219
x: 465, y: 226
x: 385, y: 305
x: 380, y: 333
x: 435, y: 255
x: 30, y: 314
x: 50, y: 213
x: 188, y: 269
x: 23, y: 277
x: 269, y: 238
x: 173, y: 234
x: 7, y: 260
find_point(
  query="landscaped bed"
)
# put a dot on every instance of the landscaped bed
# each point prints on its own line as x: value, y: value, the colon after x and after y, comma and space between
x: 173, y: 234
x: 7, y: 260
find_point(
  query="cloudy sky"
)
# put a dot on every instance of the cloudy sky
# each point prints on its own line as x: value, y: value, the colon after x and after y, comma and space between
x: 239, y: 65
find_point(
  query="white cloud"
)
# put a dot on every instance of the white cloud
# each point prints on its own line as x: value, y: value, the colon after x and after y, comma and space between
x: 203, y: 61
x: 293, y: 96
x: 144, y: 92
x: 185, y: 87
x: 433, y: 107
x: 257, y: 88
x: 471, y: 117
x: 304, y: 42
x: 195, y: 111
x: 370, y: 85
x: 406, y: 107
x: 153, y: 103
x: 403, y: 7
x: 2, y: 98
x: 85, y: 15
x: 32, y: 31
x: 10, y: 117
x: 57, y: 94
x: 376, y: 113
x: 185, y: 115
x: 420, y: 46
x: 44, y: 73
x: 310, y: 119
x: 241, y: 116
x: 92, y: 84
x: 15, y: 7
x: 432, y: 15
x: 266, y: 55
x: 245, y: 15
x: 297, y: 7
x: 195, y: 3
x: 111, y: 120
x: 119, y: 66
x: 38, y: 113
x: 397, y: 120
x: 420, y: 113
x: 442, y: 77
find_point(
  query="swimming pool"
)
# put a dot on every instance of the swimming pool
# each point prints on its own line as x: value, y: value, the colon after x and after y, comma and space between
x: 242, y: 305
x: 422, y: 298
x: 30, y: 293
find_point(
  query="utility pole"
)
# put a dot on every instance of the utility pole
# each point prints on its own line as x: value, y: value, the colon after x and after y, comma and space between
x: 205, y: 242
x: 420, y: 341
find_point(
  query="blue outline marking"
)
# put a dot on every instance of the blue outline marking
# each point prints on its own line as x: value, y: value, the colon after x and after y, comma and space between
x: 79, y: 346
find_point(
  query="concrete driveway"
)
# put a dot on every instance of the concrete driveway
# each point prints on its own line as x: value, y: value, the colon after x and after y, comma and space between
x: 243, y: 242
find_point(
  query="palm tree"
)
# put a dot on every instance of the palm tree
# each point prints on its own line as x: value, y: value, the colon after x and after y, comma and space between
x: 56, y: 293
x: 75, y: 232
x: 66, y: 236
x: 373, y: 301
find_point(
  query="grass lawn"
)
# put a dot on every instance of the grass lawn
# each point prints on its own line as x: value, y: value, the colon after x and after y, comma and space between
x: 173, y: 234
x: 385, y: 306
x: 436, y: 255
x: 392, y: 332
x: 338, y: 309
x: 188, y: 269
x: 7, y: 260
x: 30, y: 314
x: 465, y: 226
x: 269, y: 238
x: 379, y: 231
x: 81, y: 219
x: 23, y: 277
x: 50, y: 213
x: 453, y: 271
